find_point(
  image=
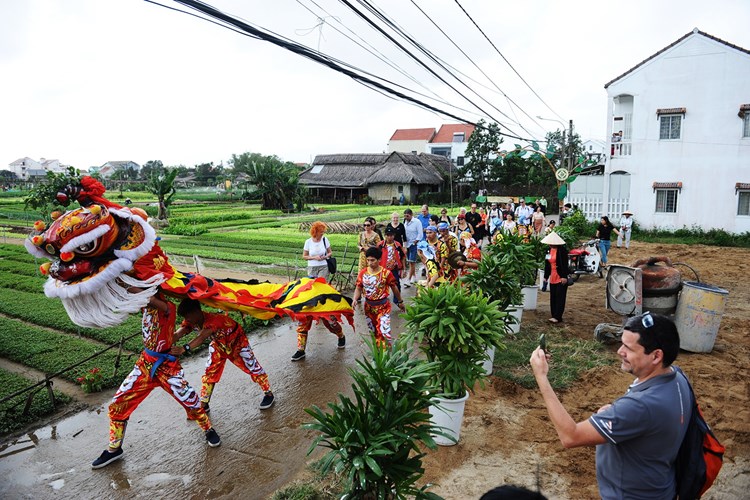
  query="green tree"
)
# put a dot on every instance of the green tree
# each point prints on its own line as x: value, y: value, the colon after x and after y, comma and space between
x: 559, y: 147
x: 481, y: 155
x: 149, y: 167
x: 276, y: 182
x: 161, y: 183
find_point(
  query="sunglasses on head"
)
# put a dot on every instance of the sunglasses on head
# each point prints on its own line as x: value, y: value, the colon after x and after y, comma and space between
x: 647, y: 320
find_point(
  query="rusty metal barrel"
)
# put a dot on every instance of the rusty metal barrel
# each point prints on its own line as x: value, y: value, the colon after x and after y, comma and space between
x: 661, y: 284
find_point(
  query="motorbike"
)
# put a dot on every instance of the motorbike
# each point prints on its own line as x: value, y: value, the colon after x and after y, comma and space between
x: 585, y: 260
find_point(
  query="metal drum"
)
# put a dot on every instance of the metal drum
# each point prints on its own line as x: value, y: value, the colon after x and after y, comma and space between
x: 661, y: 284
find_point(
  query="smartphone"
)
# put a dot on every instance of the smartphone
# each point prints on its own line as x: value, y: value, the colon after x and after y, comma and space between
x: 543, y: 342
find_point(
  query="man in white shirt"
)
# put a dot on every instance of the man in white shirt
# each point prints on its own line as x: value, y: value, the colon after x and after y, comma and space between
x: 626, y: 227
x: 523, y: 212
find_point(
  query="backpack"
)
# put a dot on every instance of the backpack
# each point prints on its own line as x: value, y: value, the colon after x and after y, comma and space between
x: 700, y: 456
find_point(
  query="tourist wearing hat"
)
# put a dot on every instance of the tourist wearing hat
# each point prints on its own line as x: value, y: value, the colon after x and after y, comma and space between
x: 626, y: 227
x: 392, y: 254
x: 427, y: 256
x: 462, y: 226
x: 556, y: 273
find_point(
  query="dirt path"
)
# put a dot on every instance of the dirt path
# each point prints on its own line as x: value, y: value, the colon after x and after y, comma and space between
x: 507, y: 437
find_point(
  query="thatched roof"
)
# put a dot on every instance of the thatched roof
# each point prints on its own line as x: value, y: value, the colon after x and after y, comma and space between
x: 361, y: 170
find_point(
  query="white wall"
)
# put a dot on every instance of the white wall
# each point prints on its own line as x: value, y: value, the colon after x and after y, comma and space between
x: 711, y: 80
x: 407, y: 146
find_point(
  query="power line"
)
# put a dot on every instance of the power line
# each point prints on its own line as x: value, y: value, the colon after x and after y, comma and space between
x: 504, y: 59
x: 234, y: 24
x: 444, y: 65
x: 481, y: 71
x: 407, y: 51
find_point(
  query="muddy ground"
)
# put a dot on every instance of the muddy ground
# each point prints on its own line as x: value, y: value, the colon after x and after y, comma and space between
x: 508, y: 438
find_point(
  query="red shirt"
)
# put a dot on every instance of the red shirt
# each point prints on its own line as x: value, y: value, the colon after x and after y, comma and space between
x: 224, y: 329
x: 554, y: 278
x: 157, y: 327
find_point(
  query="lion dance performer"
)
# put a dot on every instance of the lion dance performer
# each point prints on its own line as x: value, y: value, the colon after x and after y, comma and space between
x: 228, y: 342
x: 106, y: 264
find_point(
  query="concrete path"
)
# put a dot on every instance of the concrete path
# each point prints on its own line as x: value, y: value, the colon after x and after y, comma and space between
x: 166, y: 456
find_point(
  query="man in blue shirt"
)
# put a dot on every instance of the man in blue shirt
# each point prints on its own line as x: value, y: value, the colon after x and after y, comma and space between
x: 414, y: 234
x: 637, y: 437
x: 424, y: 216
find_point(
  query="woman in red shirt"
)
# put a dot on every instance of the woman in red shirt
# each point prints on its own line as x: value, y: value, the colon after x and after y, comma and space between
x: 556, y: 273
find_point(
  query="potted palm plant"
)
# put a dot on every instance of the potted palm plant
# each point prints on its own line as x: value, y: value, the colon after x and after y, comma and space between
x: 497, y: 277
x: 453, y: 327
x: 375, y: 440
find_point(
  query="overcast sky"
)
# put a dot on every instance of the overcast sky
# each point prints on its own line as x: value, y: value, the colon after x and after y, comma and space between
x: 88, y: 81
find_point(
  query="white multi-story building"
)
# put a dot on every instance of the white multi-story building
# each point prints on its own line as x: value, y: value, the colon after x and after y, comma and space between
x: 678, y: 125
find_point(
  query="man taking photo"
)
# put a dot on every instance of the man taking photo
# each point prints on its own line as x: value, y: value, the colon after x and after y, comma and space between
x: 637, y: 437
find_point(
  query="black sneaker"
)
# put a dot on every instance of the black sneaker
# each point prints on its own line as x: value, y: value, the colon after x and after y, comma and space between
x: 106, y: 458
x: 206, y: 408
x: 212, y: 438
x: 268, y: 397
x: 342, y: 342
x: 298, y: 356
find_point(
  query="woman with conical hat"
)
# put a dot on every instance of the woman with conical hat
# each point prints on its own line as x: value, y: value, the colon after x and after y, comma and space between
x: 556, y: 273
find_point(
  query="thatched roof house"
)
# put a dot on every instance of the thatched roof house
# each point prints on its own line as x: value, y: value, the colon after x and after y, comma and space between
x: 382, y: 177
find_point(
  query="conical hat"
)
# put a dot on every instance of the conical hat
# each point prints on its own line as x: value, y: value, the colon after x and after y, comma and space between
x: 553, y: 239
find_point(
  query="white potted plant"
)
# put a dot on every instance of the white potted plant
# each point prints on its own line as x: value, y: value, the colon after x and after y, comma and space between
x: 453, y: 326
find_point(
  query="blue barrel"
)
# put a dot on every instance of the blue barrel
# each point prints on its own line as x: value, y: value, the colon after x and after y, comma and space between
x: 698, y: 315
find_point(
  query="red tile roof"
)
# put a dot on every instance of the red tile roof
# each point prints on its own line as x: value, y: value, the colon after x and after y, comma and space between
x: 413, y: 134
x: 445, y: 134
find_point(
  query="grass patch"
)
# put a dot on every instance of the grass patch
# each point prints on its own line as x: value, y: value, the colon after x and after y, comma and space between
x: 314, y: 486
x: 11, y: 411
x: 570, y: 358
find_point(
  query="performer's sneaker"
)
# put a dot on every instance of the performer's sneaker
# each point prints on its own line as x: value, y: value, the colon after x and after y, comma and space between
x: 206, y: 408
x: 212, y: 438
x: 268, y: 399
x: 342, y: 342
x: 298, y: 356
x: 107, y: 457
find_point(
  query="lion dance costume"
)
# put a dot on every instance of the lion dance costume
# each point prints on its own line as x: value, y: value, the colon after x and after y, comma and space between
x: 106, y: 264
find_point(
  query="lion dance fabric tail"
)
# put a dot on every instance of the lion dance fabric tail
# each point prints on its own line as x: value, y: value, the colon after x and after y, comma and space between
x: 101, y: 252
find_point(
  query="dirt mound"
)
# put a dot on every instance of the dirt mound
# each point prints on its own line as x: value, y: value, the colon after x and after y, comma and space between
x: 508, y: 438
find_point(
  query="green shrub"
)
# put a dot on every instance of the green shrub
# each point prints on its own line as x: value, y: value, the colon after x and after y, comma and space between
x: 11, y: 411
x: 376, y: 438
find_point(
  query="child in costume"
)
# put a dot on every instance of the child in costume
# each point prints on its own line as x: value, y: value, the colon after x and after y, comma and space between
x: 228, y: 342
x: 303, y: 328
x: 434, y: 274
x: 393, y: 254
x: 156, y: 367
x: 373, y: 282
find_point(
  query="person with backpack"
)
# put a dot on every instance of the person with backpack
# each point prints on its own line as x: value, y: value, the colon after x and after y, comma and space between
x: 638, y: 436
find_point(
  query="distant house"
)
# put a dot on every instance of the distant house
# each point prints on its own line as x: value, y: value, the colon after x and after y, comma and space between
x: 679, y: 154
x: 411, y: 140
x: 27, y: 168
x: 382, y: 177
x: 108, y: 169
x: 451, y: 141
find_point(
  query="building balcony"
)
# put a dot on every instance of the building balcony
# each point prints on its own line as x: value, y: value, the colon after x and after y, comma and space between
x: 621, y: 148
